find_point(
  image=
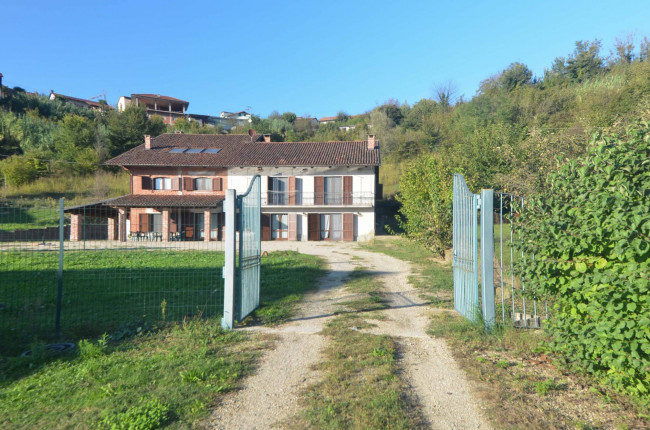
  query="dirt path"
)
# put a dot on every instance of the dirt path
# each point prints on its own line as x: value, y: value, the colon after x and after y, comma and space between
x: 271, y: 396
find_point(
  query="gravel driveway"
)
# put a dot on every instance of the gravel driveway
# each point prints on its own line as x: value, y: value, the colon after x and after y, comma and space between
x: 272, y: 394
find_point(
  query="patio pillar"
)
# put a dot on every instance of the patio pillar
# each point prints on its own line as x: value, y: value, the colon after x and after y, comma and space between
x: 121, y: 231
x: 76, y: 224
x: 165, y: 224
x: 206, y: 226
x: 112, y: 230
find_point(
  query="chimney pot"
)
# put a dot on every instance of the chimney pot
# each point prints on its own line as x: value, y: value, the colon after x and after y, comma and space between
x: 267, y: 138
x: 372, y: 142
x: 147, y: 141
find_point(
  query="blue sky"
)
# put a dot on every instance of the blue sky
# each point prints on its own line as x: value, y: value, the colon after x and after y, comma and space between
x: 315, y: 58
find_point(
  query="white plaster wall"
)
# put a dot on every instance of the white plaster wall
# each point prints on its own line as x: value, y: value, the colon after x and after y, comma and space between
x: 364, y: 226
x: 122, y: 103
x: 363, y: 178
x: 363, y: 182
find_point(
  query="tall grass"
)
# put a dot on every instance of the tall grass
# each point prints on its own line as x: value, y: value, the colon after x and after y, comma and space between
x: 75, y: 189
x: 389, y: 175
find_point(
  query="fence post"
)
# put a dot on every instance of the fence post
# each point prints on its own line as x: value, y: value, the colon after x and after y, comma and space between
x: 59, y: 296
x: 487, y: 257
x: 227, y: 321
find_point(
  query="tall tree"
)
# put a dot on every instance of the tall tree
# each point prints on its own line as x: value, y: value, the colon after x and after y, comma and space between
x: 126, y: 130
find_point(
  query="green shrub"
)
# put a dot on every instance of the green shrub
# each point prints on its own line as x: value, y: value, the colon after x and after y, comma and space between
x: 426, y: 197
x: 147, y: 415
x: 587, y: 245
x: 20, y: 169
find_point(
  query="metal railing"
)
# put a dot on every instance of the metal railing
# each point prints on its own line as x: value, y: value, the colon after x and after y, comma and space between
x: 299, y: 198
x: 513, y: 302
x: 503, y: 297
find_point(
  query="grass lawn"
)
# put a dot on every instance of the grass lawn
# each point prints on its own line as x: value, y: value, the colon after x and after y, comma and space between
x: 28, y: 216
x: 104, y: 290
x: 168, y: 375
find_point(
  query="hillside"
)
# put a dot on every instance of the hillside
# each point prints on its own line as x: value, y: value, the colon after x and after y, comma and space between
x: 508, y: 136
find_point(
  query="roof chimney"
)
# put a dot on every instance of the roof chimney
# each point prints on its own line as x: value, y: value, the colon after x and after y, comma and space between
x: 147, y: 141
x: 372, y: 142
x: 267, y: 138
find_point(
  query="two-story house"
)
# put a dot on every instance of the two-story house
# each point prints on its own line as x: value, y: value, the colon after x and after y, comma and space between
x: 168, y: 108
x: 311, y: 190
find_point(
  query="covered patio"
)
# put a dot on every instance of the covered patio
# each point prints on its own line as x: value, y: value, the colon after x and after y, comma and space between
x: 150, y: 218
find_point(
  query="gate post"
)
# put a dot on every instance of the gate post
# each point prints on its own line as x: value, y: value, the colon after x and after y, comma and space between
x: 487, y: 257
x: 227, y: 321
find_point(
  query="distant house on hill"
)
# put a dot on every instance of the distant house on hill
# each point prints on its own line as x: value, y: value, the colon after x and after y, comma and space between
x: 168, y: 108
x: 237, y: 116
x: 326, y: 119
x: 310, y: 190
x: 82, y: 103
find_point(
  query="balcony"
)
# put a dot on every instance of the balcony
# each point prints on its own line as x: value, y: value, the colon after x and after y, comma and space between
x: 298, y: 198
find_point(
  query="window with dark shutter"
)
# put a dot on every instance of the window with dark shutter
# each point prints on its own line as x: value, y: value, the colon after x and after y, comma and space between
x: 293, y: 226
x: 188, y: 184
x: 319, y: 190
x: 144, y: 223
x: 146, y: 183
x: 217, y: 184
x: 292, y: 190
x: 313, y: 227
x: 347, y: 190
x: 266, y: 226
x: 348, y: 226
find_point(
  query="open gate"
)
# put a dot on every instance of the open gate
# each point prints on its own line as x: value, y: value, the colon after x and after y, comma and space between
x: 465, y: 241
x: 250, y: 247
x: 500, y: 286
x: 242, y: 275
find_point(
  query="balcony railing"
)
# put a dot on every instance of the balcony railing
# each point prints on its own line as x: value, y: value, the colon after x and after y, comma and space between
x: 298, y: 198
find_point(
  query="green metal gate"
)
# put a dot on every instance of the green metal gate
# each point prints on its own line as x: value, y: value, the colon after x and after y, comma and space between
x: 242, y: 275
x: 465, y: 241
x: 250, y: 247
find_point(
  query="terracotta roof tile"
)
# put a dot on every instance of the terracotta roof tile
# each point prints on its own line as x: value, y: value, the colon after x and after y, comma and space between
x: 237, y: 150
x: 152, y: 200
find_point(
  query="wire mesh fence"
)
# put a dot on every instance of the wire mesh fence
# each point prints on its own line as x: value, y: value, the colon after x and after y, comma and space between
x: 75, y: 272
x: 513, y: 304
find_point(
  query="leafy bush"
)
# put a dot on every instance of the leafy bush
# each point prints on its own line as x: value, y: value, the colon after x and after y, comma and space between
x: 147, y: 415
x: 426, y: 196
x: 20, y: 169
x: 587, y: 244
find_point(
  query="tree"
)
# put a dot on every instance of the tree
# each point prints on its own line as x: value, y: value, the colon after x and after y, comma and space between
x: 445, y: 94
x: 585, y: 62
x: 342, y: 117
x: 644, y: 50
x: 393, y: 112
x: 126, y: 130
x: 289, y: 117
x: 76, y: 131
x: 515, y: 75
x: 624, y: 50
